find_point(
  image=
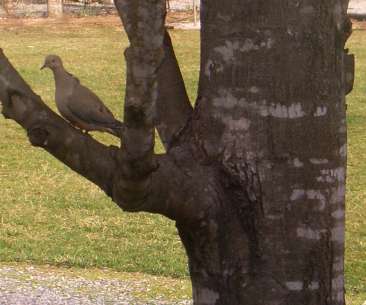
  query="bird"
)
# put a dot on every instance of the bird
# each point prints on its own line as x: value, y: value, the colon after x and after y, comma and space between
x: 78, y: 104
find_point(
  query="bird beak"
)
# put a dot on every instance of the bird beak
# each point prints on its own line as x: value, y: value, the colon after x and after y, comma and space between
x: 44, y: 66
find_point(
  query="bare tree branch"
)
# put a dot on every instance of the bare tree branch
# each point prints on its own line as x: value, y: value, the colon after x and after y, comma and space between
x: 173, y: 105
x: 144, y: 24
x: 133, y: 176
x: 159, y: 191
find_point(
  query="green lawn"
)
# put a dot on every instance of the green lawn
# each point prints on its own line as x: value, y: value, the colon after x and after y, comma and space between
x: 48, y: 214
x: 356, y: 183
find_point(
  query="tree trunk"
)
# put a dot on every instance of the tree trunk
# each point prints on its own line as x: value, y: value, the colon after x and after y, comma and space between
x: 254, y: 175
x: 9, y: 7
x: 55, y: 8
x: 271, y: 117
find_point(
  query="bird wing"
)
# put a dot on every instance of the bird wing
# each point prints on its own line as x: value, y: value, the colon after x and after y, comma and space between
x: 87, y: 107
x: 73, y: 77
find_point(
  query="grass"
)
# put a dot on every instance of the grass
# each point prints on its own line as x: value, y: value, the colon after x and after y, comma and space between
x: 356, y: 183
x: 50, y: 215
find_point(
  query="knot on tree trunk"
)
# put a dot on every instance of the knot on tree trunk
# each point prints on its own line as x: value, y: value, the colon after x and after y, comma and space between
x: 38, y: 136
x: 349, y: 71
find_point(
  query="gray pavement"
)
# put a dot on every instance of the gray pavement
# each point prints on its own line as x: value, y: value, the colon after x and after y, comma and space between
x: 29, y: 286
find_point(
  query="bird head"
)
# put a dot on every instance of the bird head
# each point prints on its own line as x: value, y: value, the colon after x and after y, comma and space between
x: 53, y: 62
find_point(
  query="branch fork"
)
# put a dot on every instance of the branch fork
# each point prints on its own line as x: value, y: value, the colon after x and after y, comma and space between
x: 135, y: 178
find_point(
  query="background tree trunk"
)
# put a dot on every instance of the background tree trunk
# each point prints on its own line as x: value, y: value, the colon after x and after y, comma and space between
x: 254, y: 175
x: 55, y: 8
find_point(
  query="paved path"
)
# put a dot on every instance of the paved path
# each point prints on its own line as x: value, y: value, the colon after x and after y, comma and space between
x: 30, y: 286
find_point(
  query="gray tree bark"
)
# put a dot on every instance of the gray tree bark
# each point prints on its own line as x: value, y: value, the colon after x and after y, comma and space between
x: 254, y: 175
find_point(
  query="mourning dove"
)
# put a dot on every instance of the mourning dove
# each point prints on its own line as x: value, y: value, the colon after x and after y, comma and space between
x: 78, y: 104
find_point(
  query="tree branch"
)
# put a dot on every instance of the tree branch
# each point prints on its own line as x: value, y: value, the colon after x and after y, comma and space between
x: 46, y: 129
x: 144, y: 23
x: 133, y: 176
x: 173, y: 105
x: 155, y: 183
